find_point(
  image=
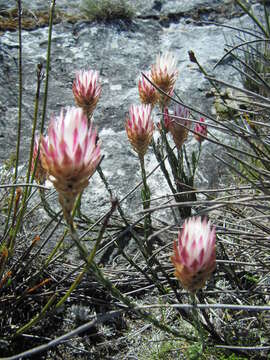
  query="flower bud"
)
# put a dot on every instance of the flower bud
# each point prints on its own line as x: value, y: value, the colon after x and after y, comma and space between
x: 194, y: 256
x: 164, y: 72
x: 179, y: 132
x: 147, y: 92
x: 140, y: 127
x: 200, y: 129
x: 70, y: 155
x: 86, y: 90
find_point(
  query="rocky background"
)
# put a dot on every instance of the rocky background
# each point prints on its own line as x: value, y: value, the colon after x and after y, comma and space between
x: 119, y: 50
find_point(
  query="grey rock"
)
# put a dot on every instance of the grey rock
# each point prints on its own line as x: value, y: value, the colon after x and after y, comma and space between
x: 120, y: 52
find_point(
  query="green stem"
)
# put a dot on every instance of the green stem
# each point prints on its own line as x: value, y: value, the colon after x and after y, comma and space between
x: 83, y: 251
x: 107, y: 186
x: 19, y: 114
x: 132, y: 306
x: 89, y: 261
x: 75, y: 283
x: 39, y: 78
x: 143, y: 174
x: 39, y: 316
x: 196, y: 161
x: 171, y: 156
x: 253, y: 18
x: 154, y: 278
x: 197, y: 322
x: 27, y: 190
x: 51, y: 15
x: 266, y: 15
x: 202, y: 70
x: 105, y: 182
x: 92, y: 266
x: 20, y: 90
x: 97, y: 272
x: 52, y: 214
x: 146, y: 198
x: 162, y: 166
x: 54, y: 251
x: 56, y: 248
x: 78, y: 207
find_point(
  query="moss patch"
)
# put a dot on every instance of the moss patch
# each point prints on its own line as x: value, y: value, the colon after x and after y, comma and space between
x: 107, y: 10
x: 32, y: 20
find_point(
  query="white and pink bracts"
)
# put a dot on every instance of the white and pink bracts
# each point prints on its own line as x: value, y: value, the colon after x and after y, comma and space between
x: 140, y: 127
x: 147, y: 92
x: 195, y: 253
x: 86, y: 90
x: 164, y: 72
x: 70, y: 153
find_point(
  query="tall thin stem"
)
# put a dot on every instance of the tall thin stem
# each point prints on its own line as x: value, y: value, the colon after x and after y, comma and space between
x: 26, y: 190
x: 52, y: 6
x: 253, y: 17
x: 19, y: 113
x: 146, y: 197
x: 197, y: 322
x: 97, y: 272
x: 39, y: 78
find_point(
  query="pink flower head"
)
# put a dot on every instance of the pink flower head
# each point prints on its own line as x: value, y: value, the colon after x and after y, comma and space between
x: 182, y: 113
x: 86, y: 90
x: 164, y: 72
x: 167, y: 119
x: 147, y: 92
x: 40, y: 173
x: 70, y: 154
x: 181, y: 117
x: 195, y: 253
x: 140, y: 127
x: 200, y: 129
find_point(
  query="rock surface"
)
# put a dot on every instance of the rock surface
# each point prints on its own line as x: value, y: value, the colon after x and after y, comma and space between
x: 120, y: 51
